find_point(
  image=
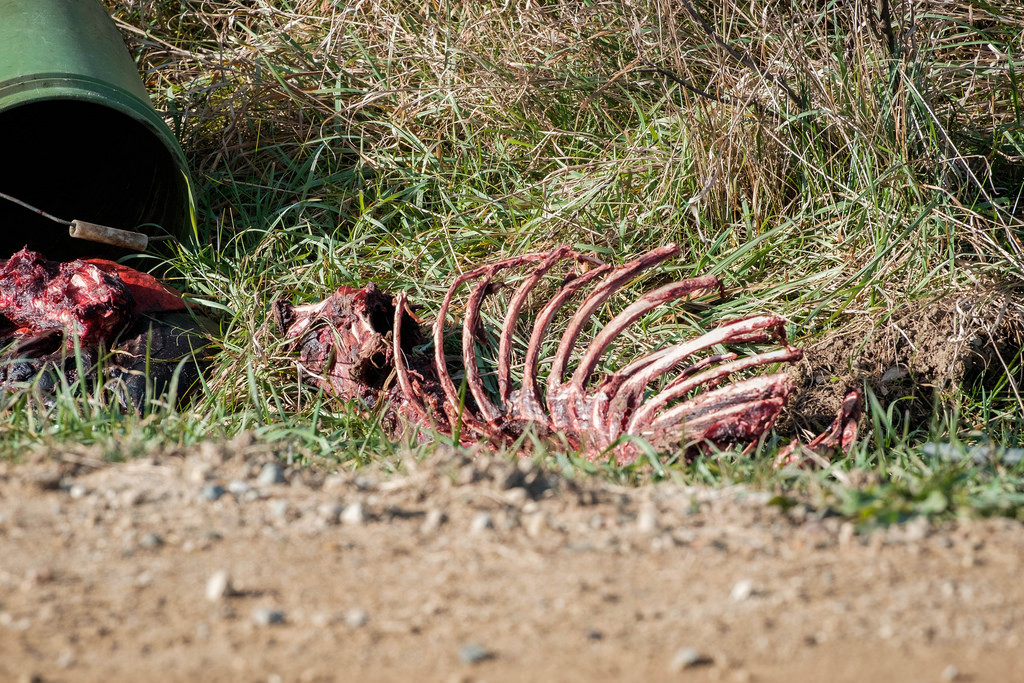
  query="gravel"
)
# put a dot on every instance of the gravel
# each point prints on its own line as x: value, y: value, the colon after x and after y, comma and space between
x: 212, y: 492
x: 688, y: 658
x: 353, y: 515
x: 566, y: 569
x: 218, y: 586
x: 237, y: 487
x: 482, y: 521
x: 472, y: 653
x: 279, y: 508
x: 330, y: 512
x: 272, y: 473
x: 742, y: 590
x: 432, y: 521
x: 151, y: 541
x: 647, y: 520
x: 356, y: 618
x: 48, y: 480
x: 66, y: 659
x: 264, y: 616
x: 535, y: 524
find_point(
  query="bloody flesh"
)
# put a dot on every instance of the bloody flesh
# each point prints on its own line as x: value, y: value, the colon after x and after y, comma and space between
x: 60, y: 318
x: 74, y: 299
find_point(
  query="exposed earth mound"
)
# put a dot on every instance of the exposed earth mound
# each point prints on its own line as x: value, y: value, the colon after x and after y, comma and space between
x: 915, y: 356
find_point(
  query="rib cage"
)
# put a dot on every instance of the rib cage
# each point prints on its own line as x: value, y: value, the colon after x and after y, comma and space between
x: 599, y: 415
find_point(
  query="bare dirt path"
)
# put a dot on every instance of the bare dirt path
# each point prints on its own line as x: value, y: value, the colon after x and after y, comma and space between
x: 478, y: 569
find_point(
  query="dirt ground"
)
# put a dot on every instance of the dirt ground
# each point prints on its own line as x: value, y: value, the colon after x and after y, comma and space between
x: 197, y: 566
x: 909, y: 355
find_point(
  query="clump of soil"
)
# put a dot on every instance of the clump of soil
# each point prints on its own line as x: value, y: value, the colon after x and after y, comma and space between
x: 916, y: 355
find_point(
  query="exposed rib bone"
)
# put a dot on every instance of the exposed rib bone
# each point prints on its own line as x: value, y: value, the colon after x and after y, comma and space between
x: 566, y: 402
x: 619, y: 277
x: 528, y: 404
x: 646, y: 303
x: 445, y: 379
x: 490, y: 412
x: 512, y: 316
x: 516, y: 305
x: 599, y: 407
x: 737, y: 413
x: 401, y: 369
x: 345, y: 349
x: 706, y: 406
x: 841, y: 434
x: 677, y: 389
x: 754, y: 329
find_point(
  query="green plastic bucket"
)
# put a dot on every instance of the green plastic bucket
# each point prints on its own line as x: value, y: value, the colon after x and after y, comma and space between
x: 79, y: 136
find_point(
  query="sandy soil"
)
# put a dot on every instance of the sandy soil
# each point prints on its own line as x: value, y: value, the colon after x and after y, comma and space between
x: 482, y: 569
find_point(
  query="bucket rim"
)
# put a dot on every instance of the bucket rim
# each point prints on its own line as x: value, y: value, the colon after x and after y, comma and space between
x: 49, y: 87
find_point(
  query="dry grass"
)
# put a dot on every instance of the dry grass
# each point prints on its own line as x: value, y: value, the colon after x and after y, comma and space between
x: 830, y: 159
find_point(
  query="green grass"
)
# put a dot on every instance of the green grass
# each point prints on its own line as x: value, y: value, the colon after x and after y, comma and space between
x: 829, y: 163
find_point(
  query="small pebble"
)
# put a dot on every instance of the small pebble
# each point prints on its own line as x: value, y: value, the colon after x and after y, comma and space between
x: 66, y: 659
x: 132, y: 498
x: 687, y: 658
x: 212, y: 492
x: 321, y: 620
x: 77, y: 491
x: 647, y: 520
x: 594, y: 634
x: 279, y: 508
x: 534, y: 524
x: 237, y: 487
x: 211, y: 452
x: 263, y: 616
x: 199, y: 472
x: 7, y: 620
x: 481, y: 522
x: 353, y: 515
x: 151, y: 541
x: 272, y: 473
x: 219, y: 586
x: 38, y: 576
x: 950, y: 673
x: 330, y: 512
x: 847, y: 531
x: 917, y: 530
x: 742, y: 590
x: 516, y: 496
x: 335, y: 481
x: 365, y: 483
x: 471, y: 653
x: 432, y: 521
x: 356, y: 618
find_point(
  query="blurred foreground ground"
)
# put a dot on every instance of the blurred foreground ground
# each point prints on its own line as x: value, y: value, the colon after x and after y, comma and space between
x: 481, y: 569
